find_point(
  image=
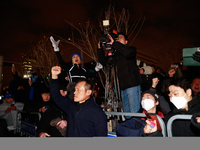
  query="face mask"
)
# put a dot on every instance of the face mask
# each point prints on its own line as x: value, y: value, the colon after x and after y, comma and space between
x: 147, y: 104
x: 179, y: 102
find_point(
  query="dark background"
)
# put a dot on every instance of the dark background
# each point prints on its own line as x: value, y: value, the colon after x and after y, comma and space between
x: 169, y: 25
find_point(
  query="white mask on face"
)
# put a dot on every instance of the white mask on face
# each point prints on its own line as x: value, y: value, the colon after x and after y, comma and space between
x: 179, y: 102
x: 147, y: 104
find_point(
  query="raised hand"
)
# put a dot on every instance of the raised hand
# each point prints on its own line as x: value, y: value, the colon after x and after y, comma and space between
x: 55, y: 44
x: 55, y: 71
x: 171, y: 72
x: 98, y: 67
x: 155, y: 82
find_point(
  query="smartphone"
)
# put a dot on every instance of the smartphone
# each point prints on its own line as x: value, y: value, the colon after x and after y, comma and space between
x: 46, y: 107
x: 151, y: 117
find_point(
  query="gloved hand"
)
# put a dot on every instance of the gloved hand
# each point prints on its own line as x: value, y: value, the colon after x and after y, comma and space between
x: 55, y: 44
x: 98, y: 67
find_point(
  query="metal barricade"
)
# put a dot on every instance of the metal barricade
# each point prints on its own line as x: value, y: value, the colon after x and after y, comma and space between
x: 171, y: 120
x: 162, y: 124
x: 24, y: 127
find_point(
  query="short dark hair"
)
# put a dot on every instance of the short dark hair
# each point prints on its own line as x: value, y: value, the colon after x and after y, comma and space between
x: 45, y: 90
x: 179, y: 82
x: 125, y: 36
x: 196, y: 77
x: 89, y: 85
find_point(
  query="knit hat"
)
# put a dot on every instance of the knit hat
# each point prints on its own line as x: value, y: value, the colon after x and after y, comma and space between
x: 76, y: 54
x: 9, y: 95
x: 153, y: 93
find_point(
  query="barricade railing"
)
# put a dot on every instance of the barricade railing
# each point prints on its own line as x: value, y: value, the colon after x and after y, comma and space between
x: 23, y: 126
x: 171, y: 120
x: 32, y: 127
x: 142, y: 115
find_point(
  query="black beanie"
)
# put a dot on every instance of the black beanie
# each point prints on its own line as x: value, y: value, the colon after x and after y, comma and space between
x: 153, y: 93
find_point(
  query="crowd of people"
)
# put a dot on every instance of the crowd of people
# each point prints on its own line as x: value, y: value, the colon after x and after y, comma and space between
x: 71, y: 107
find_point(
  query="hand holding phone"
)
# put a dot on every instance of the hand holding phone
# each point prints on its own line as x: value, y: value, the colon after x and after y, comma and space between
x: 152, y: 117
x: 46, y: 107
x: 152, y: 124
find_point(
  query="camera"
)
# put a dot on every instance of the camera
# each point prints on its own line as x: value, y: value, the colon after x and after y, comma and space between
x: 105, y: 39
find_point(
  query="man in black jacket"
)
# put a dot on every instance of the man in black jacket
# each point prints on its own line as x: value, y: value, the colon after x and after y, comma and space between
x: 180, y: 95
x: 85, y: 117
x: 128, y: 72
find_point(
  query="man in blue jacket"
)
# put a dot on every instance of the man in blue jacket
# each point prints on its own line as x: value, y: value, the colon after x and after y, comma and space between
x: 85, y: 117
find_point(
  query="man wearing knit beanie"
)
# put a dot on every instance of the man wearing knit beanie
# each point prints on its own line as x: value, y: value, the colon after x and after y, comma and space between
x: 153, y: 93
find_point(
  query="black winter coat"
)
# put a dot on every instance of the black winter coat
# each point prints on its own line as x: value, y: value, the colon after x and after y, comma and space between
x: 185, y: 127
x: 125, y: 60
x: 89, y: 121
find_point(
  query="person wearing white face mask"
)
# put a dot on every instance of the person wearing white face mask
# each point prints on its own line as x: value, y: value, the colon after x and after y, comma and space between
x: 180, y: 94
x: 138, y: 126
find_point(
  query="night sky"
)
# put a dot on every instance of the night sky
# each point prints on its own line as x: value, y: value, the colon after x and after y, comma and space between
x: 169, y: 24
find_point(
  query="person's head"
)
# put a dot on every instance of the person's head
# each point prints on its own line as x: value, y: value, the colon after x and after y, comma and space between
x: 179, y: 92
x: 45, y: 94
x: 83, y: 90
x: 153, y: 68
x: 158, y: 70
x: 95, y: 93
x: 35, y: 71
x: 195, y: 85
x: 9, y: 98
x: 149, y: 101
x: 70, y: 90
x: 76, y: 58
x: 123, y: 38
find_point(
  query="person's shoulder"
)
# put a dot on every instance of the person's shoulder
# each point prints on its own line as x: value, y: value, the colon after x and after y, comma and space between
x: 133, y: 47
x: 3, y: 104
x: 99, y: 110
x: 94, y: 105
x: 18, y: 103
